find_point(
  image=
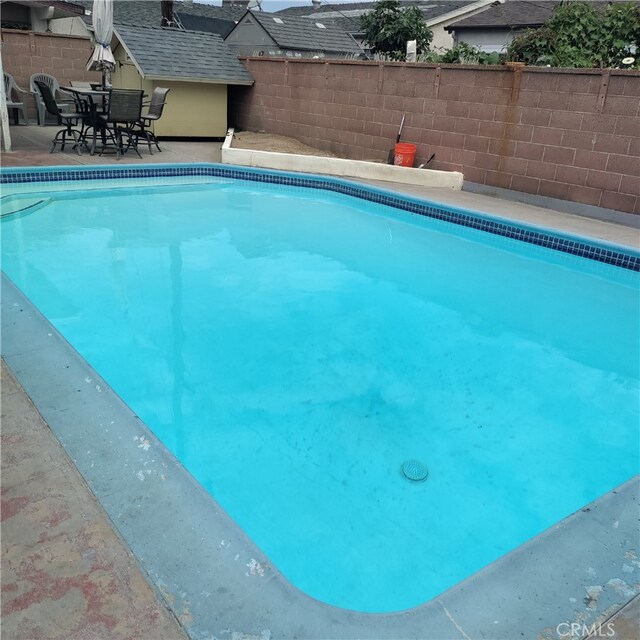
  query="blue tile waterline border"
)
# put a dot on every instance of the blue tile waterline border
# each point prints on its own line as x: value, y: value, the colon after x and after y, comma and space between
x: 614, y: 255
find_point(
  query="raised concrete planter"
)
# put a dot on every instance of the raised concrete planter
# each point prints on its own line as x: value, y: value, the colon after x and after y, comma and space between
x: 339, y: 167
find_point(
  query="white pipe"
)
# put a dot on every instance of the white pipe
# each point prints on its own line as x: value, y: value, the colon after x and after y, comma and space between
x: 4, y: 114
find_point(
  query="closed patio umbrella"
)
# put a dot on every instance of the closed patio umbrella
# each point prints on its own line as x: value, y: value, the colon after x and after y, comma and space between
x: 102, y: 58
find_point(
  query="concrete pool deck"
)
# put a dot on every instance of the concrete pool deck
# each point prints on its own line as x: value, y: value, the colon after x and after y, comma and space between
x: 65, y: 571
x: 525, y: 596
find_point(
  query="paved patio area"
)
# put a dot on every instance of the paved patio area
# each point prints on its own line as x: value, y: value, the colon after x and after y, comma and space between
x: 31, y: 145
x: 66, y: 573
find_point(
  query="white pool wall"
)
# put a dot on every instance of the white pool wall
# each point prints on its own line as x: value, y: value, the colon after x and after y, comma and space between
x: 339, y: 167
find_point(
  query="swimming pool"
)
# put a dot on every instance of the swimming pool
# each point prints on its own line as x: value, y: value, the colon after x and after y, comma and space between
x: 331, y: 340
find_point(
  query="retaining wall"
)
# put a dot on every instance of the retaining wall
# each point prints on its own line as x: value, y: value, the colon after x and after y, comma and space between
x: 27, y: 52
x: 568, y: 134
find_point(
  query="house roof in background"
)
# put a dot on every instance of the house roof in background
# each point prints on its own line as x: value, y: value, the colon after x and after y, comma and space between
x: 62, y: 5
x: 148, y: 13
x: 220, y: 26
x: 209, y: 11
x: 515, y: 14
x: 348, y: 15
x: 61, y: 8
x: 163, y: 53
x: 511, y: 14
x: 294, y: 32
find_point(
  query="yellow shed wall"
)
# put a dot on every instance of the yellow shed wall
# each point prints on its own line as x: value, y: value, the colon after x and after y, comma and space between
x: 126, y: 76
x: 194, y: 109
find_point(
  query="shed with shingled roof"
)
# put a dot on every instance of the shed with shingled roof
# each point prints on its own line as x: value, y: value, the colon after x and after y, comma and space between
x: 196, y: 66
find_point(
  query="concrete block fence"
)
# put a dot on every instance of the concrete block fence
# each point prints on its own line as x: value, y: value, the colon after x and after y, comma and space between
x: 27, y: 52
x: 560, y: 133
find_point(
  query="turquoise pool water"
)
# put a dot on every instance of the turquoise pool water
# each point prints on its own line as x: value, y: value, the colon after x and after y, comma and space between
x: 293, y: 348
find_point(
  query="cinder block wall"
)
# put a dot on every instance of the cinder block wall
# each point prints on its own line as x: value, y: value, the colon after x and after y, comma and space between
x: 568, y: 134
x: 27, y: 52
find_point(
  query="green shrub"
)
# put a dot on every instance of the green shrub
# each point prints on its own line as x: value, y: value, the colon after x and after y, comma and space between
x: 580, y: 34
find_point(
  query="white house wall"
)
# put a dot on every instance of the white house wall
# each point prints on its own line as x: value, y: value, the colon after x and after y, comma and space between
x: 69, y: 27
x: 442, y: 40
x: 488, y: 40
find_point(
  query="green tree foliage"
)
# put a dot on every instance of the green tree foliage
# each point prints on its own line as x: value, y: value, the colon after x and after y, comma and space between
x: 580, y: 34
x: 388, y: 28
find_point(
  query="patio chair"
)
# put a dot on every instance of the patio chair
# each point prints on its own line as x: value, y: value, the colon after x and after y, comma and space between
x: 13, y: 92
x: 69, y: 120
x: 154, y: 112
x: 85, y: 115
x: 61, y: 97
x: 124, y: 112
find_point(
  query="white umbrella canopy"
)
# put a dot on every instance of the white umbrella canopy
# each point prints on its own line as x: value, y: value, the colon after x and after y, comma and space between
x: 102, y: 20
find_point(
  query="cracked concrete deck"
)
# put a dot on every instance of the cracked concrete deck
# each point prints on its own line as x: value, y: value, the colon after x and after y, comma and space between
x: 65, y: 572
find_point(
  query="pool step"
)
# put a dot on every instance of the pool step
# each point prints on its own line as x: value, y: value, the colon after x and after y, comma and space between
x: 12, y: 205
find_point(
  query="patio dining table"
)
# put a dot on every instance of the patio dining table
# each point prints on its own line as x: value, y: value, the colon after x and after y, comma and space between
x: 92, y: 97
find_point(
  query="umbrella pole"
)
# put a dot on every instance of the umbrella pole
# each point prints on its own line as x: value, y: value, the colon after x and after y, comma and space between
x: 106, y: 77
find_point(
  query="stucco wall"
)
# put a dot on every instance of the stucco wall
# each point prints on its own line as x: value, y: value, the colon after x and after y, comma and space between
x: 568, y: 134
x: 126, y: 76
x: 194, y: 109
x: 442, y: 39
x: 486, y: 39
x: 27, y: 52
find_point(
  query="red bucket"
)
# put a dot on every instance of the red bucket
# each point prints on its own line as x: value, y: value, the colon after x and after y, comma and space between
x: 405, y: 154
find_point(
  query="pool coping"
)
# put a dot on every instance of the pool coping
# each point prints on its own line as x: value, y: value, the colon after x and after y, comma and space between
x: 188, y: 548
x: 594, y: 249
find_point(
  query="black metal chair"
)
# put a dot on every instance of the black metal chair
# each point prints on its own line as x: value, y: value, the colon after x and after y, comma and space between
x: 124, y: 112
x: 68, y: 119
x: 84, y: 115
x: 154, y: 112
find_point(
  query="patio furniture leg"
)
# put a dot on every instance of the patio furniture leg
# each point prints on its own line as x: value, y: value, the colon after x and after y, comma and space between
x: 77, y: 139
x: 132, y: 141
x: 41, y: 113
x: 148, y: 140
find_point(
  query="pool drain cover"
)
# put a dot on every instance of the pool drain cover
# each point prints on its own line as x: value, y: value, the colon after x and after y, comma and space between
x: 414, y: 471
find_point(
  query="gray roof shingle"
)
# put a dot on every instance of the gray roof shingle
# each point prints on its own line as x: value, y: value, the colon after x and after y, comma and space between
x: 147, y: 13
x: 292, y: 32
x: 351, y: 12
x: 182, y: 55
x: 515, y: 14
x: 220, y: 26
